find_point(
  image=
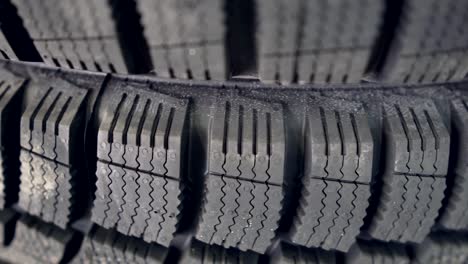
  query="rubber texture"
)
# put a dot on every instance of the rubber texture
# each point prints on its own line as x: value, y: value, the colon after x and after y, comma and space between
x: 316, y: 41
x: 308, y: 131
x: 429, y: 46
x: 188, y: 39
x: 139, y: 168
x: 442, y: 248
x: 151, y: 171
x: 375, y: 252
x: 280, y: 41
x: 88, y: 41
x: 37, y: 242
x: 102, y: 245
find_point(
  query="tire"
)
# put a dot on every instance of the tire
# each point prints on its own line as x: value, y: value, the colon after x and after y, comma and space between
x: 245, y: 139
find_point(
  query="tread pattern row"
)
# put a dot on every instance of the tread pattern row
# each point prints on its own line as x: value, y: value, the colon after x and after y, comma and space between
x: 142, y: 136
x: 139, y: 189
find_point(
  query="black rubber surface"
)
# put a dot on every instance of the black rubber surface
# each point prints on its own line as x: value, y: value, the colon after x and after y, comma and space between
x: 282, y: 41
x: 430, y: 43
x: 186, y: 39
x: 6, y: 52
x: 147, y: 169
x: 307, y: 131
x: 316, y: 41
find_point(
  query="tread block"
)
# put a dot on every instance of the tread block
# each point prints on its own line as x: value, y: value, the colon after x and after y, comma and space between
x: 79, y: 35
x: 200, y: 253
x: 239, y: 213
x: 141, y: 144
x: 373, y: 252
x: 144, y: 131
x: 417, y: 146
x: 47, y: 189
x: 293, y: 254
x: 243, y: 144
x: 428, y: 46
x: 37, y: 242
x: 52, y: 129
x: 10, y: 95
x: 338, y: 132
x: 330, y: 214
x: 186, y: 39
x: 442, y: 248
x: 243, y: 188
x: 455, y: 214
x: 103, y: 245
x: 408, y: 208
x: 138, y: 204
x: 313, y: 41
x: 334, y: 198
x: 6, y: 52
x: 53, y: 120
x: 419, y: 142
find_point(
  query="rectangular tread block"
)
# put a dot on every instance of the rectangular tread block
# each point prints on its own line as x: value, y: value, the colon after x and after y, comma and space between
x: 141, y: 149
x: 37, y: 242
x: 144, y: 131
x: 11, y: 89
x: 455, y: 215
x: 338, y: 170
x: 74, y: 34
x: 338, y: 132
x: 52, y: 120
x: 243, y: 188
x: 429, y: 46
x: 247, y: 141
x: 330, y: 214
x: 52, y: 133
x: 408, y: 208
x: 315, y: 41
x: 46, y: 189
x: 109, y: 246
x: 200, y: 253
x: 186, y: 39
x: 239, y: 213
x: 136, y: 203
x: 416, y: 143
x: 419, y: 140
